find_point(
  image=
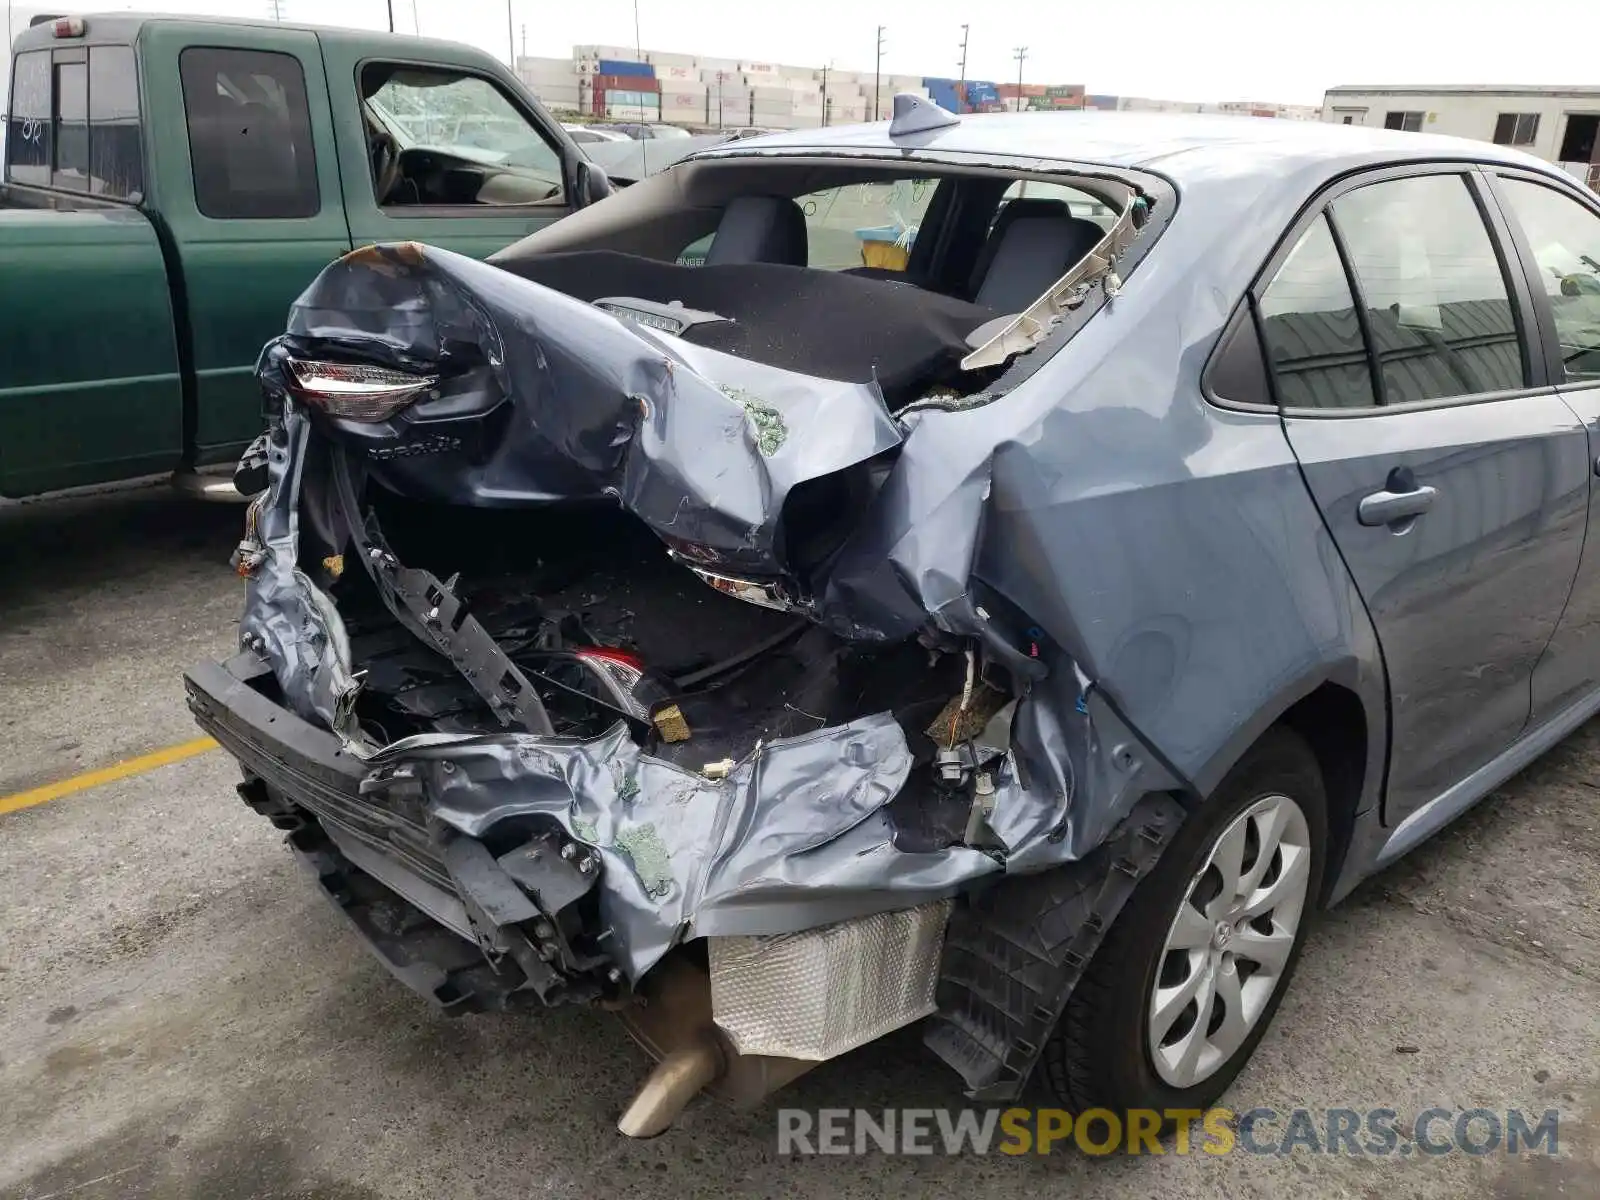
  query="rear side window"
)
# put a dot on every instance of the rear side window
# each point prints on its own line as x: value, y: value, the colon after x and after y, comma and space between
x: 1565, y: 239
x: 865, y: 224
x: 115, y: 164
x: 1435, y: 295
x: 249, y: 134
x: 1079, y: 202
x: 1311, y: 331
x: 30, y: 133
x: 75, y: 122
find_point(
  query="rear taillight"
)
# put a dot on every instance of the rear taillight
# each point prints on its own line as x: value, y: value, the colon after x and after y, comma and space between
x: 67, y: 27
x: 355, y: 391
x: 618, y: 673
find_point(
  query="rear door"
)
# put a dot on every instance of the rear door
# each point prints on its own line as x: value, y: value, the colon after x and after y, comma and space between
x: 1451, y: 475
x: 479, y: 166
x: 1557, y: 231
x: 248, y: 186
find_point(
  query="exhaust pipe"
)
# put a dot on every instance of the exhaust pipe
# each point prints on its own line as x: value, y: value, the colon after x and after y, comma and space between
x: 671, y: 1019
x: 677, y: 1079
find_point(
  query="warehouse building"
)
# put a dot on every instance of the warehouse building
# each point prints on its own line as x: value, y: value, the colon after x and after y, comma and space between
x: 1557, y: 124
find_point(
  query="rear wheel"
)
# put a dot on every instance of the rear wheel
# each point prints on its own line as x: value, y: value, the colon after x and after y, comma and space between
x: 1190, y: 975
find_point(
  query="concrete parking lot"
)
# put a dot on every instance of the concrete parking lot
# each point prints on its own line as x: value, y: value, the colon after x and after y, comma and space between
x: 180, y: 1016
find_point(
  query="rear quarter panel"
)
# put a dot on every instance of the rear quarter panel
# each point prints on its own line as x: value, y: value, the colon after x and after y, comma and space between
x: 1169, y: 546
x: 89, y: 381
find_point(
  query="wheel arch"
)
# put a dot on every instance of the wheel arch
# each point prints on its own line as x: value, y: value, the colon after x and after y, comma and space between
x: 1341, y: 714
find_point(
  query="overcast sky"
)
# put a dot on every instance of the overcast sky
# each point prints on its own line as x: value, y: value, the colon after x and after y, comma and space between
x: 1286, y: 51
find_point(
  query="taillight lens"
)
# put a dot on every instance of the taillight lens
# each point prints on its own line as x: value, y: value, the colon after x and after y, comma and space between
x: 355, y: 391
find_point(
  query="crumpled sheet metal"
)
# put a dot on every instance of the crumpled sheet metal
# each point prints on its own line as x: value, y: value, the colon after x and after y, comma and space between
x: 799, y: 834
x: 796, y: 836
x: 702, y: 446
x: 287, y: 619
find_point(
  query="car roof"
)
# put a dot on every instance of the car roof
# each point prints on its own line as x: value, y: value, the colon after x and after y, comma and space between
x: 1179, y: 145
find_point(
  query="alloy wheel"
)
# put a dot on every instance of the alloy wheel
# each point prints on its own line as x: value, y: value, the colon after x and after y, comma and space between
x: 1230, y: 942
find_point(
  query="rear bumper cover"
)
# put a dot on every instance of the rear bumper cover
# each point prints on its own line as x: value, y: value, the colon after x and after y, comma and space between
x: 438, y: 910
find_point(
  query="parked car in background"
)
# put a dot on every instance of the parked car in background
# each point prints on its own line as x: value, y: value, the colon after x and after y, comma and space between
x: 171, y: 184
x: 644, y: 131
x: 1027, y: 640
x: 587, y: 134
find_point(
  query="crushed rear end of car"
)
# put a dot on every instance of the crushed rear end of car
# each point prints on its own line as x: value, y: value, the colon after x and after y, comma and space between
x: 603, y: 650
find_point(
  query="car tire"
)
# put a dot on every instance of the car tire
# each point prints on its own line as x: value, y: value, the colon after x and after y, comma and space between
x: 1103, y: 1051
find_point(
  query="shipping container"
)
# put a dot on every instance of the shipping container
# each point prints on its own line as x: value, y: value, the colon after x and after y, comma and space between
x: 660, y: 59
x: 943, y: 93
x: 618, y: 66
x: 534, y: 63
x: 671, y: 74
x: 977, y: 93
x: 638, y: 83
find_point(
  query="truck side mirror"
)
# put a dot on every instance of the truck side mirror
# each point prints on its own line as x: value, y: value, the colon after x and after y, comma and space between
x: 593, y: 184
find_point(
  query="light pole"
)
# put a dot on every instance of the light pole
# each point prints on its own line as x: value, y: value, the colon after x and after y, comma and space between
x: 391, y: 16
x: 1021, y: 55
x: 961, y: 88
x: 877, y: 77
x: 511, y: 37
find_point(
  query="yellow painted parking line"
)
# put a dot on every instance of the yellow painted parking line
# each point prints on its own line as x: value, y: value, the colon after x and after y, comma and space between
x: 121, y: 770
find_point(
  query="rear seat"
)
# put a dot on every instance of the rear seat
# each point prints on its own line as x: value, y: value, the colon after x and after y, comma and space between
x: 760, y: 229
x: 1031, y: 246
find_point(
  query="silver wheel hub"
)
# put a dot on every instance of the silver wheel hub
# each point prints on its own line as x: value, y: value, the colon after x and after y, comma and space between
x: 1230, y: 941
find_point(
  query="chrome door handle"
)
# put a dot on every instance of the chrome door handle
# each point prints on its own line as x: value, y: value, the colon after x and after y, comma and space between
x: 1388, y: 508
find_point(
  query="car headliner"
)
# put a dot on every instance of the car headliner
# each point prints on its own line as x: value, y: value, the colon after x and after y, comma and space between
x: 1178, y: 145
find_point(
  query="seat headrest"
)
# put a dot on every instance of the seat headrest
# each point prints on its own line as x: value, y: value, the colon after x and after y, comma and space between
x: 1033, y: 243
x: 760, y: 229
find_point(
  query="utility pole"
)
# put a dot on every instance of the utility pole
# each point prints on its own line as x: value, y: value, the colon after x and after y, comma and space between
x: 391, y: 16
x: 877, y: 78
x: 638, y: 56
x: 1021, y: 55
x: 721, y: 75
x: 824, y: 96
x: 961, y: 88
x: 524, y: 39
x: 511, y: 37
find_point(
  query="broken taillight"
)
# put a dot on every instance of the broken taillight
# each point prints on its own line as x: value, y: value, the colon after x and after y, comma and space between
x: 356, y: 391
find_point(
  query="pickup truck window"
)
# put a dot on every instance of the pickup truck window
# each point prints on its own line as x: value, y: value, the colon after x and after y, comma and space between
x: 115, y: 166
x: 30, y: 135
x: 249, y: 134
x: 75, y: 121
x: 72, y: 126
x: 441, y: 137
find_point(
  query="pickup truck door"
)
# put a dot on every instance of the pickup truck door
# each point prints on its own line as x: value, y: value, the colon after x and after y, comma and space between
x: 248, y: 185
x: 464, y: 157
x: 1556, y: 230
x: 1451, y: 475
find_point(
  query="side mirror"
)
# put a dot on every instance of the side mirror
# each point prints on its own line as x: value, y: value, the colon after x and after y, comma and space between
x: 593, y: 184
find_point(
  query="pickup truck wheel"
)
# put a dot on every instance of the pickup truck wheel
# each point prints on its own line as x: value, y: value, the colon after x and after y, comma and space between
x: 1189, y: 976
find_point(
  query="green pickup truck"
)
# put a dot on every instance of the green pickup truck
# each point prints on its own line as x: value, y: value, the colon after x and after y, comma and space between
x: 171, y: 184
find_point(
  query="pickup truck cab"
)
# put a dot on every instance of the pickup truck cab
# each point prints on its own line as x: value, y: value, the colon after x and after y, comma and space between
x: 171, y: 184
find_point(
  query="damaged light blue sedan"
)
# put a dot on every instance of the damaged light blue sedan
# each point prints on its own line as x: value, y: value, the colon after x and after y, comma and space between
x: 1005, y: 573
